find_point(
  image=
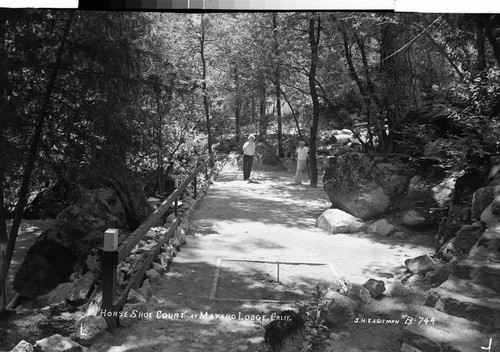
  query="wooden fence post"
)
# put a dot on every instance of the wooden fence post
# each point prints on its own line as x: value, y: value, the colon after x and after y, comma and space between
x: 112, y: 255
x: 4, y: 293
x: 176, y: 207
x: 209, y: 164
x: 109, y: 264
x: 194, y: 184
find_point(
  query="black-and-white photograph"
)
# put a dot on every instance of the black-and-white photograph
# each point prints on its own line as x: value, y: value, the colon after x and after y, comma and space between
x: 257, y: 181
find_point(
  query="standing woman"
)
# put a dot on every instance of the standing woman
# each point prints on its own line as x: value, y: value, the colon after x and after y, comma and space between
x: 302, y: 153
x: 248, y: 153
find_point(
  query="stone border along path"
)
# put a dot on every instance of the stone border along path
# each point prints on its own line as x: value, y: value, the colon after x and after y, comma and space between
x: 270, y: 220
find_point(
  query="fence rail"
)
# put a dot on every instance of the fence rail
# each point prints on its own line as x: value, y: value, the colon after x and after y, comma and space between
x: 113, y: 254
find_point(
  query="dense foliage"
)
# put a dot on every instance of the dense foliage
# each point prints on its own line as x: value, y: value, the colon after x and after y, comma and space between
x: 152, y: 89
x: 84, y: 92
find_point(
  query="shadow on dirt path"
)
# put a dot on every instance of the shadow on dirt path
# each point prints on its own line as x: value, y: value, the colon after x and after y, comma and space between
x: 258, y: 223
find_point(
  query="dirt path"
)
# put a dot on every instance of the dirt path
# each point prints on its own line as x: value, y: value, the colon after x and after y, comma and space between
x: 266, y: 220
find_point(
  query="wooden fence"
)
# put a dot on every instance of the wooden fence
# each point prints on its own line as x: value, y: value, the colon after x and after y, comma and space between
x: 113, y: 254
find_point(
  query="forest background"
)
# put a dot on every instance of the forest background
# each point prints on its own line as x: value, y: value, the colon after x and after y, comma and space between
x: 84, y: 94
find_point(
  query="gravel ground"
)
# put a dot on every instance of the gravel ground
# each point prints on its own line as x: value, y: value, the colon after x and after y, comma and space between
x: 267, y: 220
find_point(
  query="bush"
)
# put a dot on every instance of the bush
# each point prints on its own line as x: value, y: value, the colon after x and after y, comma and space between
x: 483, y: 94
x: 227, y: 146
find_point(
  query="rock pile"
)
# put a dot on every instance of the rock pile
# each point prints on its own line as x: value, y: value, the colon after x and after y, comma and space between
x: 465, y: 309
x: 68, y: 245
x: 93, y: 326
x: 375, y: 287
x: 336, y: 221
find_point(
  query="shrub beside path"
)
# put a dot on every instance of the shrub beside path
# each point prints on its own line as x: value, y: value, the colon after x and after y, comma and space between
x: 266, y: 220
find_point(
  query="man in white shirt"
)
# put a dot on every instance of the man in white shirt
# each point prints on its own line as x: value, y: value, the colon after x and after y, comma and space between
x: 248, y: 153
x: 302, y: 155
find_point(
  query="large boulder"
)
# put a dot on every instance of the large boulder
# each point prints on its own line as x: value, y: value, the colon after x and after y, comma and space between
x: 495, y: 206
x: 454, y: 220
x: 437, y: 115
x: 482, y: 198
x: 129, y: 189
x: 461, y: 244
x: 459, y: 187
x: 491, y: 220
x: 441, y: 274
x: 414, y: 219
x: 340, y: 309
x: 23, y: 346
x: 494, y: 174
x: 75, y: 292
x: 382, y: 227
x: 336, y: 221
x: 418, y: 189
x: 443, y: 192
x: 57, y: 343
x: 421, y: 264
x: 375, y: 287
x: 363, y: 186
x: 153, y: 276
x: 46, y: 265
x: 76, y: 233
x: 89, y: 329
x: 487, y: 247
x: 471, y: 179
x: 49, y: 202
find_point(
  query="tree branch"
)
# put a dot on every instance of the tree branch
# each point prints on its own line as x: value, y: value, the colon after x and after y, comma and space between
x: 443, y: 52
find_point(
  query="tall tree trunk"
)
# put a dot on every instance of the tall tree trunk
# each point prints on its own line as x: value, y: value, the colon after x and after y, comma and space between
x: 3, y: 100
x: 366, y: 68
x: 401, y: 86
x: 480, y: 44
x: 204, y: 84
x: 252, y: 115
x: 31, y: 158
x: 372, y: 109
x: 293, y: 114
x: 3, y: 228
x: 4, y: 17
x: 237, y: 103
x: 363, y: 90
x: 281, y: 154
x: 262, y: 111
x: 493, y: 34
x: 159, y: 137
x: 314, y: 37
